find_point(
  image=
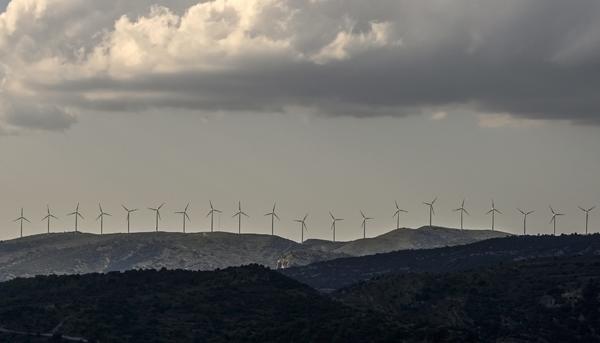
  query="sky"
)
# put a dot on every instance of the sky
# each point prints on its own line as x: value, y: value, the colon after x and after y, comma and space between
x: 319, y: 106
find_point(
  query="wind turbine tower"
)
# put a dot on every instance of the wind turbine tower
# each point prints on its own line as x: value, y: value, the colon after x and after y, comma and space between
x: 364, y: 223
x: 77, y: 215
x: 129, y: 212
x: 334, y: 220
x: 101, y: 218
x: 431, y: 211
x: 48, y: 217
x: 239, y: 214
x: 493, y: 212
x: 273, y: 216
x: 211, y: 213
x: 554, y: 216
x: 525, y: 214
x: 22, y: 219
x: 397, y: 215
x: 302, y: 227
x: 587, y: 216
x: 185, y: 215
x: 462, y: 210
x: 157, y: 213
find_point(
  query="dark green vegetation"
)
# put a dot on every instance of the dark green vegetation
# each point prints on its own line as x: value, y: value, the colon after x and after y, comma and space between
x: 244, y: 304
x: 335, y: 274
x: 517, y: 289
x: 544, y: 300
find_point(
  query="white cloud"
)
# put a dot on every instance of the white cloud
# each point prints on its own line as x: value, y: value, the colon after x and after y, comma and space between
x: 439, y: 115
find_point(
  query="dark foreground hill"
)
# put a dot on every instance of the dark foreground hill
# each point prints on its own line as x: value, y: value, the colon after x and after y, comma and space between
x: 334, y: 274
x: 79, y: 253
x: 543, y: 300
x: 243, y: 304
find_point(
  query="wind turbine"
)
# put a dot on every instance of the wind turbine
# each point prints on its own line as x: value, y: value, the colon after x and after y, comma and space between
x: 302, y: 227
x: 397, y: 215
x: 101, y: 218
x: 493, y: 212
x: 431, y: 211
x: 587, y: 216
x: 157, y: 213
x: 185, y: 216
x: 525, y: 214
x: 211, y: 213
x: 21, y: 219
x: 48, y: 217
x: 554, y: 215
x: 334, y: 220
x: 129, y: 212
x: 77, y: 216
x: 462, y: 210
x: 273, y: 216
x: 239, y: 214
x: 364, y: 223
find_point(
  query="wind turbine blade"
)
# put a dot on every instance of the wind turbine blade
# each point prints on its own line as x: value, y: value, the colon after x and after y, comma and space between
x: 276, y: 216
x: 187, y: 216
x: 125, y: 208
x: 27, y: 220
x: 331, y: 215
x: 396, y: 202
x: 490, y: 211
x: 362, y: 214
x: 467, y: 212
x: 581, y: 208
x: 434, y: 200
x: 80, y: 215
x: 592, y: 208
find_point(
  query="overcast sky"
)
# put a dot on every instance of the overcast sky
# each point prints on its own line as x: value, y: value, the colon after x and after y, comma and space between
x: 318, y: 105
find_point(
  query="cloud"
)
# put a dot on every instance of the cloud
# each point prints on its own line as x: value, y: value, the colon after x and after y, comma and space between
x: 498, y: 120
x: 439, y: 115
x: 337, y: 57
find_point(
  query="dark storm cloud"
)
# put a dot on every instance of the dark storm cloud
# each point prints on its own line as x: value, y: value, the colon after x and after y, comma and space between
x: 537, y: 59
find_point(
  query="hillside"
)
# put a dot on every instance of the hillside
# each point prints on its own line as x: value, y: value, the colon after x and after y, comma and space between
x: 76, y: 253
x: 334, y: 274
x: 242, y: 304
x: 72, y: 253
x: 544, y: 300
x: 422, y: 238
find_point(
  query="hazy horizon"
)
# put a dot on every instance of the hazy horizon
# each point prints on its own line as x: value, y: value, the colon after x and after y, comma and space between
x: 340, y: 107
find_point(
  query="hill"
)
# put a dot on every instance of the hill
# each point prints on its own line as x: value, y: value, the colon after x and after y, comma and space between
x: 76, y: 253
x: 422, y: 238
x: 544, y: 300
x: 334, y: 274
x: 242, y: 304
